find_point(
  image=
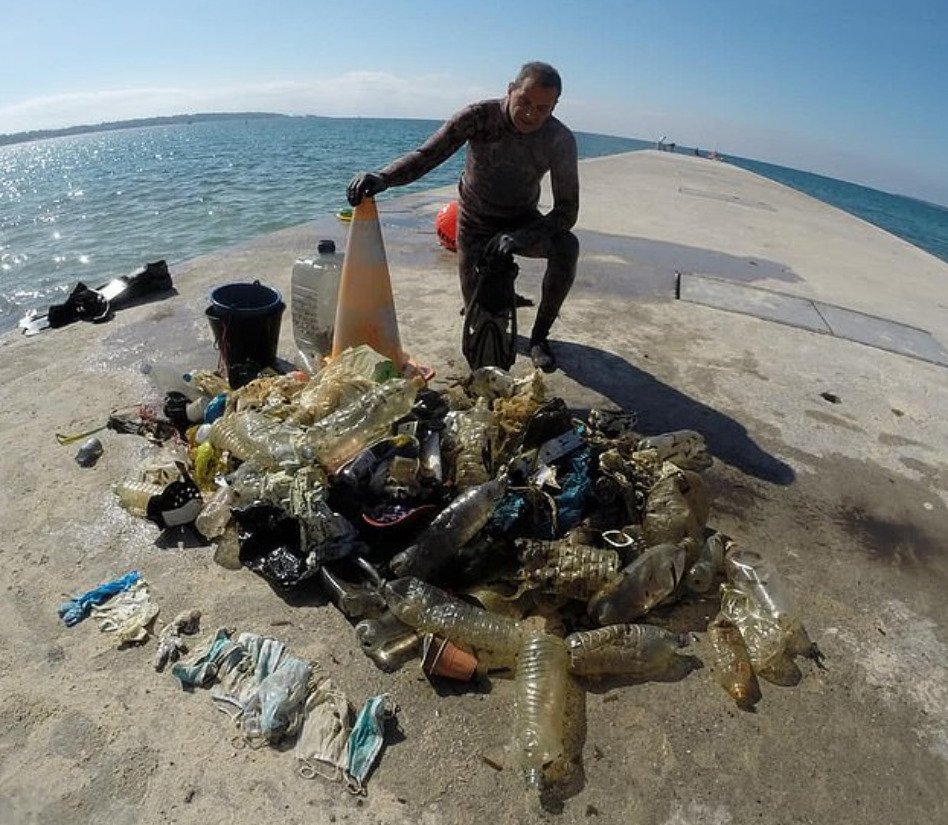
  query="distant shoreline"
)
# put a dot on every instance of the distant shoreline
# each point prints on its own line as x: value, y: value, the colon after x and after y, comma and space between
x: 114, y: 125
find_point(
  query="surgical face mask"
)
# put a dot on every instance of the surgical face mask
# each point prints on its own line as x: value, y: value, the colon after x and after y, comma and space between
x: 366, y: 740
x: 321, y: 747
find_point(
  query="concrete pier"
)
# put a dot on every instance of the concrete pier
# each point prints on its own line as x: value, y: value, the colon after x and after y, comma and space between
x: 809, y: 347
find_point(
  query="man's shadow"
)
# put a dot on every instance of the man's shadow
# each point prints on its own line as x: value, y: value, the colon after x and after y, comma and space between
x: 661, y: 408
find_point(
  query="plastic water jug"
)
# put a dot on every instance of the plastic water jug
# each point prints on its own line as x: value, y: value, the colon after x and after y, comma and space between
x: 314, y: 288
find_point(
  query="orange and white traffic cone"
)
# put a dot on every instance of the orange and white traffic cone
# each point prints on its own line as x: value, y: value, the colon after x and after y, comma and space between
x: 365, y: 311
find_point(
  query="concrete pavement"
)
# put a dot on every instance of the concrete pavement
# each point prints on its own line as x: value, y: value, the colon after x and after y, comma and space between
x: 830, y: 458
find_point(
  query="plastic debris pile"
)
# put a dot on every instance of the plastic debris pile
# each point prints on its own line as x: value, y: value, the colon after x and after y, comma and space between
x: 481, y: 528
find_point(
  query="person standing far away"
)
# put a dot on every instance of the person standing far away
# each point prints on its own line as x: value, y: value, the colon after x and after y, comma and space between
x: 512, y: 142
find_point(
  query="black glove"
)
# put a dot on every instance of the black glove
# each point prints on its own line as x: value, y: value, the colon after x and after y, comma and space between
x: 365, y: 185
x: 502, y: 245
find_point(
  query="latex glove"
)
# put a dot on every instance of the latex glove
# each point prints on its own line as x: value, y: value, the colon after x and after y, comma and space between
x: 365, y: 185
x: 502, y: 245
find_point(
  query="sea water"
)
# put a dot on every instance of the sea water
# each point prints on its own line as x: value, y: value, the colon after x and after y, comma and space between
x: 94, y: 206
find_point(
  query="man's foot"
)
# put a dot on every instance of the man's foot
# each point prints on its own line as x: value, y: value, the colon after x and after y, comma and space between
x: 541, y: 355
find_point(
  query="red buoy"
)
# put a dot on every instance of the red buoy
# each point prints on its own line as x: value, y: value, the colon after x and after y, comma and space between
x: 446, y: 225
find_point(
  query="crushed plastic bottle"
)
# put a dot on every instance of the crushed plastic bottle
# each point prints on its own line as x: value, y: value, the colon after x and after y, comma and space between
x: 676, y: 507
x: 474, y: 435
x: 757, y: 602
x: 683, y: 448
x: 576, y: 571
x: 429, y: 609
x: 454, y: 527
x: 639, y: 650
x: 541, y: 685
x: 213, y: 519
x: 647, y: 581
x: 263, y: 441
x: 341, y: 435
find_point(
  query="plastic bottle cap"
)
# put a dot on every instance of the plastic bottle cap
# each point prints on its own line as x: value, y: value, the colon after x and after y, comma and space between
x: 326, y: 247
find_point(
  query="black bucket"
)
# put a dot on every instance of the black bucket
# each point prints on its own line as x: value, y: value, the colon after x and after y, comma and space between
x: 245, y: 320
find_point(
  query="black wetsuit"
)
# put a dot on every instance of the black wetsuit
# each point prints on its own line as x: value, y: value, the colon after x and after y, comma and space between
x: 499, y: 191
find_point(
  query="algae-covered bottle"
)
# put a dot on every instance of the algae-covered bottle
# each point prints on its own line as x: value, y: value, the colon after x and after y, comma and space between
x: 429, y: 609
x: 640, y: 650
x: 342, y: 434
x: 640, y: 586
x: 732, y: 664
x: 476, y: 431
x: 453, y: 528
x: 541, y: 683
x: 135, y: 495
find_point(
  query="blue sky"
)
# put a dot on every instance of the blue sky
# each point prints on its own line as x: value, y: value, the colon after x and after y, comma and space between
x: 853, y: 89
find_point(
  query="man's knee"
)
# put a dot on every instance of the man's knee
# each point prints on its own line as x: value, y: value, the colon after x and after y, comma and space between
x: 565, y: 247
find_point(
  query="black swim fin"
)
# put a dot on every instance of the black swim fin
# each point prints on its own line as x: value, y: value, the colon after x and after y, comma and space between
x: 99, y: 304
x: 489, y: 333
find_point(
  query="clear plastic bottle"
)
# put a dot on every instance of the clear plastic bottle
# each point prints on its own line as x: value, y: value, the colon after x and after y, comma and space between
x: 215, y: 516
x: 453, y: 527
x: 476, y: 432
x: 762, y: 633
x: 758, y: 601
x: 342, y: 434
x: 314, y: 291
x: 751, y: 572
x: 429, y: 609
x: 640, y: 650
x: 263, y: 441
x: 541, y: 683
x: 135, y: 495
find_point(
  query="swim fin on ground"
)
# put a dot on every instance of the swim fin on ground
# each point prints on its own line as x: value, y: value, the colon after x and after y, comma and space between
x: 490, y: 319
x: 99, y: 304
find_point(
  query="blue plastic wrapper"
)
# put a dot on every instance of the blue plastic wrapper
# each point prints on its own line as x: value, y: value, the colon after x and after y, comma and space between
x: 76, y: 609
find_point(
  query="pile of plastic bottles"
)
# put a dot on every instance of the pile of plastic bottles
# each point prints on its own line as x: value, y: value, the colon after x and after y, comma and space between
x: 484, y: 514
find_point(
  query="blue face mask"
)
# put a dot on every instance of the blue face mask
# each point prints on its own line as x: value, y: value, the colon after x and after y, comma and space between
x: 366, y: 739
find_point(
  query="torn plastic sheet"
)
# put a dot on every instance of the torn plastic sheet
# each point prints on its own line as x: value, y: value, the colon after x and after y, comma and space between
x: 76, y: 609
x: 128, y: 614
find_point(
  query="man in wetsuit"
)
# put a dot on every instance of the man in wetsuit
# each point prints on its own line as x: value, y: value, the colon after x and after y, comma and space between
x: 512, y: 143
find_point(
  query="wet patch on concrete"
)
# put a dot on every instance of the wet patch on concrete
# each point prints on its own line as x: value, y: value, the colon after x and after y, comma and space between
x: 727, y: 197
x: 889, y: 539
x: 832, y: 420
x: 937, y: 476
x: 732, y: 496
x: 893, y: 440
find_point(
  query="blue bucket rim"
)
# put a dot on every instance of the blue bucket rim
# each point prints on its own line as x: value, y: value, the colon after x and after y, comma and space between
x: 220, y: 302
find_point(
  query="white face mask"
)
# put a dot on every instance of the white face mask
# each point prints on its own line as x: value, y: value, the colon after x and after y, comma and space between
x: 321, y: 747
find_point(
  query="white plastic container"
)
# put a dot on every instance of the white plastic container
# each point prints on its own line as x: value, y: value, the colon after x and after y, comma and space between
x: 314, y: 289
